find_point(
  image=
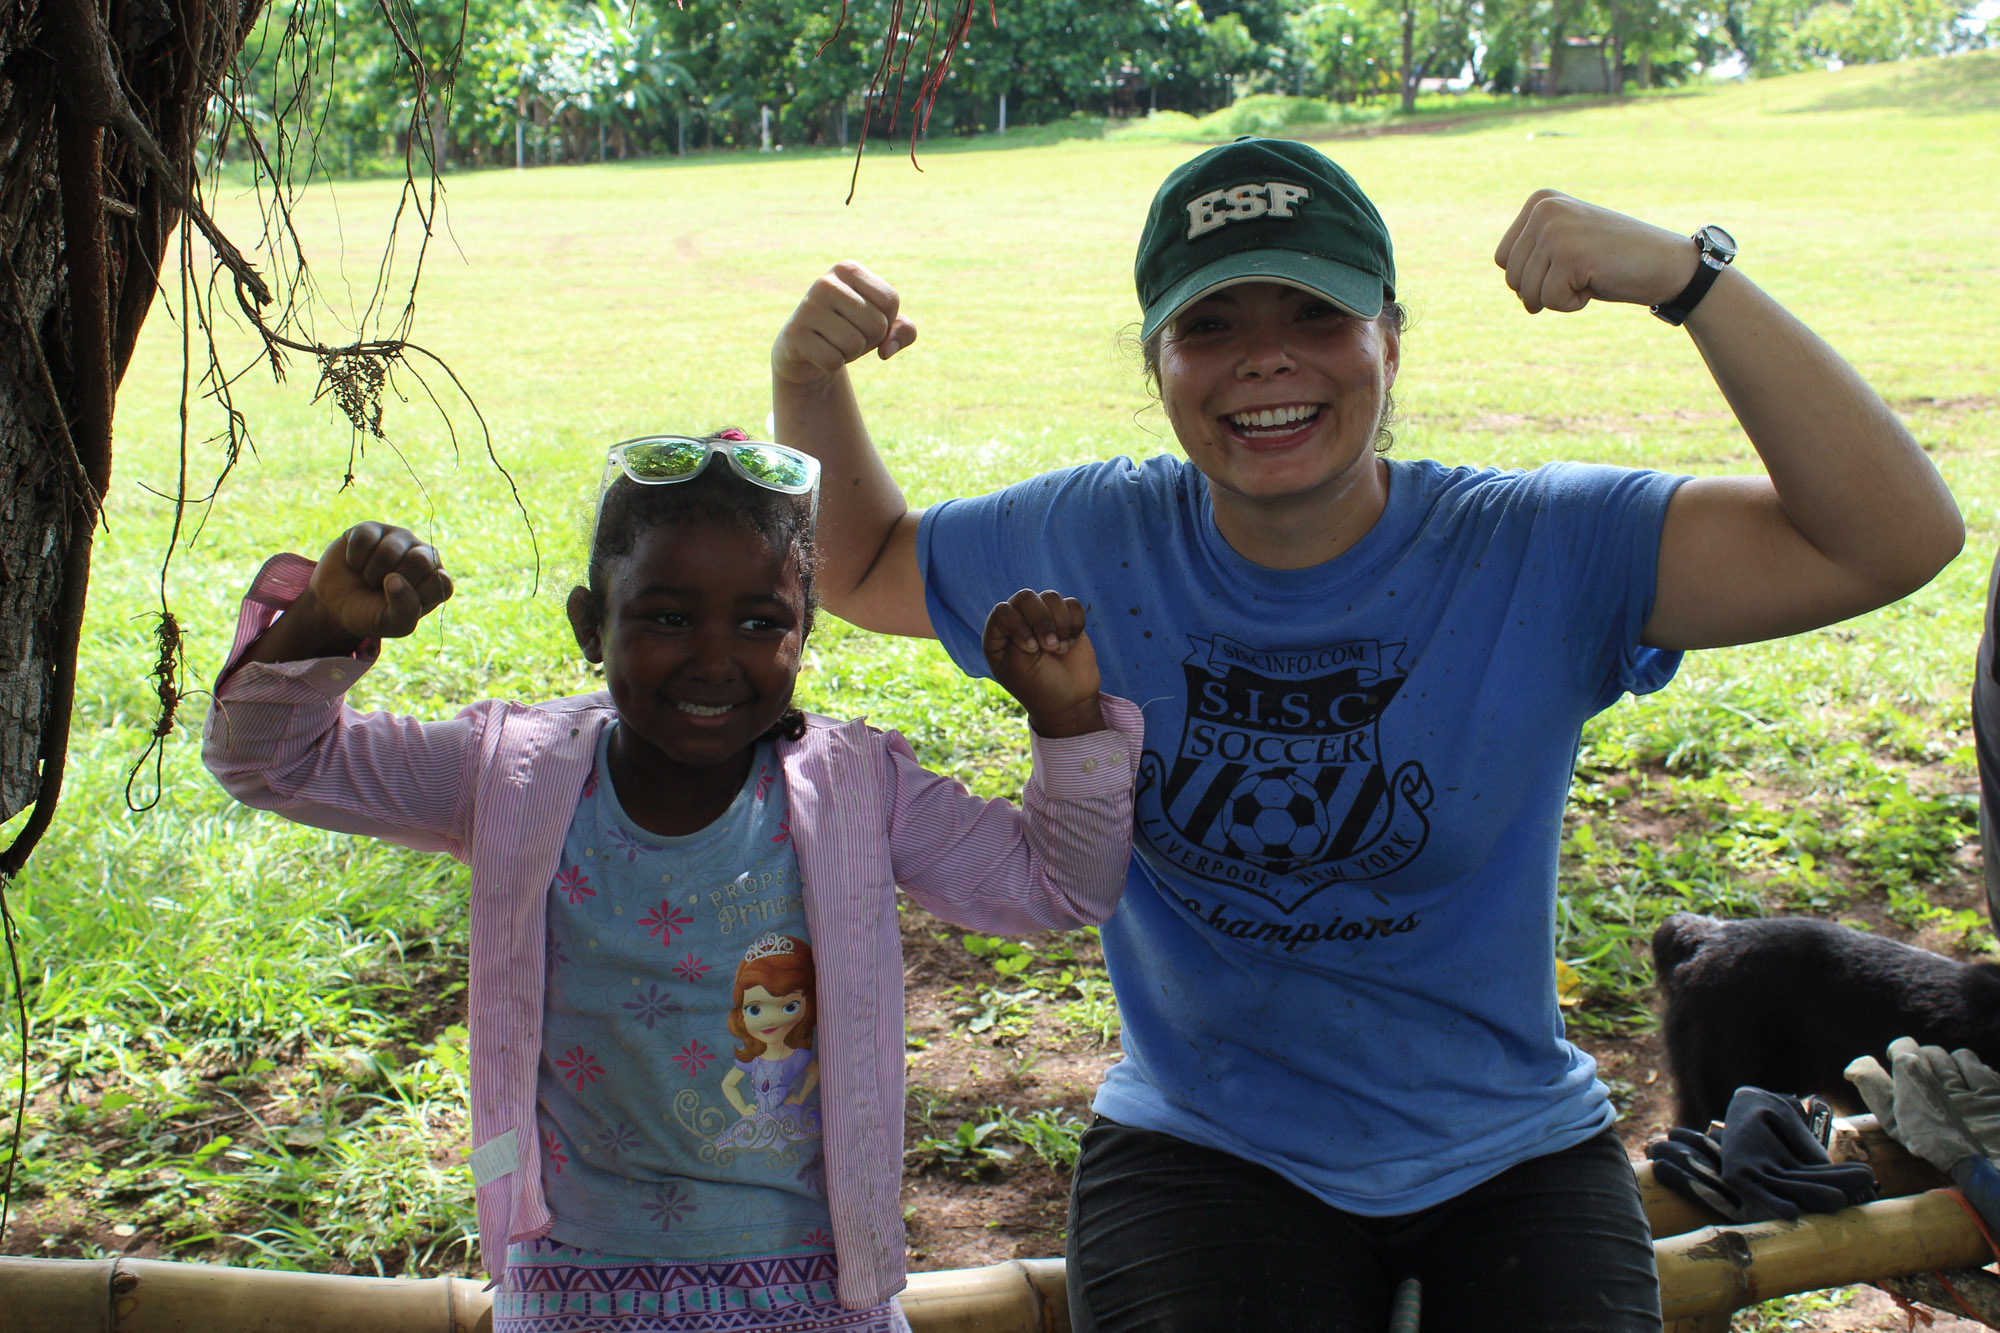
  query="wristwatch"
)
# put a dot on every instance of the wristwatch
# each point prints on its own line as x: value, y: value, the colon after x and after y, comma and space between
x: 1718, y: 249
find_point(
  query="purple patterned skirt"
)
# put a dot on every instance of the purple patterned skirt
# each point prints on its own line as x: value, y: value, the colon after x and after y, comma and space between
x: 556, y: 1288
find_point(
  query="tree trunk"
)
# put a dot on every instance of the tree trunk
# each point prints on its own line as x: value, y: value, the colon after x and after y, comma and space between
x: 33, y: 511
x: 1409, y: 57
x: 440, y: 118
x: 56, y: 376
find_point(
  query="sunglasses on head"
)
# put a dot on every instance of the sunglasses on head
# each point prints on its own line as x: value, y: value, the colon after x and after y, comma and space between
x: 662, y: 460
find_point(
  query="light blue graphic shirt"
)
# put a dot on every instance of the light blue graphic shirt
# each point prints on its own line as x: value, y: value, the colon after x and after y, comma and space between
x: 666, y: 1132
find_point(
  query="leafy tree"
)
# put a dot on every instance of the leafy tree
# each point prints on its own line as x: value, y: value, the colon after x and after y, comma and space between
x: 1228, y: 50
x: 1171, y: 50
x: 1657, y: 37
x: 1344, y: 51
x: 1263, y: 20
x: 1052, y: 57
x: 827, y: 66
x: 613, y: 72
x: 1857, y: 32
x: 1522, y: 35
x: 1438, y: 39
x: 1761, y: 31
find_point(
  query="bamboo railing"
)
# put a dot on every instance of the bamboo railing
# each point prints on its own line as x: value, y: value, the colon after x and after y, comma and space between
x: 158, y: 1296
x: 1707, y: 1275
x: 1708, y: 1269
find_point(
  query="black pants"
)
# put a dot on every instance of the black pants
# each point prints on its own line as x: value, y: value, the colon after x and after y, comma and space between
x: 1986, y: 742
x: 1165, y: 1235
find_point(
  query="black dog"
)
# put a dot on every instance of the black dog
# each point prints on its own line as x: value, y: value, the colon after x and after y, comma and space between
x: 1785, y: 1003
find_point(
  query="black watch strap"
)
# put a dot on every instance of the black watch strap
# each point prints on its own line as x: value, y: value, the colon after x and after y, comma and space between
x: 1718, y: 249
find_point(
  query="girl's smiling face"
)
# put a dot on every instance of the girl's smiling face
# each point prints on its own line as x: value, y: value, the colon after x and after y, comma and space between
x: 770, y: 1018
x: 702, y: 629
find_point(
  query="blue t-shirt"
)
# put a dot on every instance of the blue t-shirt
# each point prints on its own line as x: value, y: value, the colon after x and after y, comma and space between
x: 1335, y: 952
x: 666, y: 1131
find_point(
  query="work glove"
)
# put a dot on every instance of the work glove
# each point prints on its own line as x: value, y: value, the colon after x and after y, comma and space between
x: 1766, y: 1163
x: 1689, y: 1163
x: 1778, y: 1167
x: 1944, y: 1107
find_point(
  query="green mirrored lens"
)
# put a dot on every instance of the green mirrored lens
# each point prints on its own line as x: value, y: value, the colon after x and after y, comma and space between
x: 658, y: 460
x: 770, y: 466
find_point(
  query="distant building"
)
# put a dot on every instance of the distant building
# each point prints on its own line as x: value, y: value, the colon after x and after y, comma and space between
x: 1459, y: 84
x: 1582, y: 65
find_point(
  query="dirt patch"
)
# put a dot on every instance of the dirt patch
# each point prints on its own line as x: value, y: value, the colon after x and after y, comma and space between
x: 1965, y: 405
x: 965, y: 1209
x: 1587, y: 423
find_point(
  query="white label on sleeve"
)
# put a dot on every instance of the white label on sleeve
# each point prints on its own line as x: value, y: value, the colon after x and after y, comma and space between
x: 498, y: 1156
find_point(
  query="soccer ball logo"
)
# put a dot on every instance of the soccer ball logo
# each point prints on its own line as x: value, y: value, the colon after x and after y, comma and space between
x: 1276, y: 819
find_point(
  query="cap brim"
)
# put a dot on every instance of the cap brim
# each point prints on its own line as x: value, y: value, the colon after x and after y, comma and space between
x: 1353, y: 290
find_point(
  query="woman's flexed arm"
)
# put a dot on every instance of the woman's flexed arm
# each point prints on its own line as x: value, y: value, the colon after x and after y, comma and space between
x: 1849, y: 514
x: 867, y: 537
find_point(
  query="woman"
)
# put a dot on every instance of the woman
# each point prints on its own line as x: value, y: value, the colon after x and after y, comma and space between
x: 1344, y: 1062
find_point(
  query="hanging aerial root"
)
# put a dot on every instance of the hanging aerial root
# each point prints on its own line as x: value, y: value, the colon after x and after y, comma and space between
x: 937, y: 64
x: 355, y: 379
x: 167, y: 675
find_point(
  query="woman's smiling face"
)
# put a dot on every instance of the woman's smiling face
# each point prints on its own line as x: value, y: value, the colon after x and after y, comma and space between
x: 1275, y: 393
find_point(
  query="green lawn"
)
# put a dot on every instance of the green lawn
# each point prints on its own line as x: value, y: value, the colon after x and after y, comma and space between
x: 198, y: 972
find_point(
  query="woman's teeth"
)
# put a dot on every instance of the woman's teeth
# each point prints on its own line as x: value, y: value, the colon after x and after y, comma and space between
x: 701, y: 710
x: 1272, y: 417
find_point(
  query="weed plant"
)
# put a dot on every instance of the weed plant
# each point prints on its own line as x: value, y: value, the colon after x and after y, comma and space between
x: 243, y: 1042
x: 992, y: 1138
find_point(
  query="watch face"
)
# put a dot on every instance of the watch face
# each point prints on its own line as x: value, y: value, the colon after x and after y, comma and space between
x: 1716, y: 242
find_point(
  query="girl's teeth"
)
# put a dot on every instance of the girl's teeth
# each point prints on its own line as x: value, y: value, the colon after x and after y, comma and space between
x: 701, y: 711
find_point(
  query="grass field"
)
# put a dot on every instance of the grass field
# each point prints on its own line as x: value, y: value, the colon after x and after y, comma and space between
x: 243, y: 1033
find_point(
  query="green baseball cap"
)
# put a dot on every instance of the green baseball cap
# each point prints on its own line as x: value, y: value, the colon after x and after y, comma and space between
x: 1262, y: 210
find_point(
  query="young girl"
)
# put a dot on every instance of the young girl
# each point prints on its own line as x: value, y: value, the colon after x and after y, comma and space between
x: 673, y: 866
